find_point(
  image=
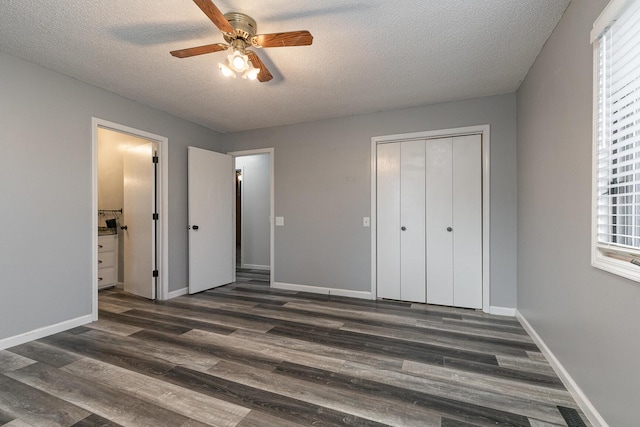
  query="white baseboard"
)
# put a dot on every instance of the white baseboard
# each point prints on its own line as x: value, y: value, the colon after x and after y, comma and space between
x: 255, y: 267
x: 322, y: 290
x: 179, y: 292
x: 45, y: 331
x: 502, y: 311
x: 581, y: 399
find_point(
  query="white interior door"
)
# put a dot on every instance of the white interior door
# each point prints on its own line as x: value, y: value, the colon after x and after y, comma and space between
x: 211, y: 204
x: 412, y: 221
x: 467, y: 220
x: 439, y: 222
x: 138, y: 208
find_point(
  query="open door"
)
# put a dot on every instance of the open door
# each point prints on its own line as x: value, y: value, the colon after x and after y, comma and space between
x: 138, y: 226
x: 211, y: 196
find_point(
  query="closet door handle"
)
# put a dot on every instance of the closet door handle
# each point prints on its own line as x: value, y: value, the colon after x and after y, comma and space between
x: 403, y: 228
x: 124, y: 227
x: 449, y: 229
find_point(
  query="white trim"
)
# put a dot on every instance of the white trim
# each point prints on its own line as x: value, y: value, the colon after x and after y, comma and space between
x: 163, y: 202
x: 610, y: 13
x: 322, y: 290
x: 581, y: 399
x: 595, y: 252
x: 45, y: 331
x: 179, y: 292
x: 271, y: 153
x: 255, y: 267
x: 235, y: 210
x: 502, y: 311
x: 485, y: 131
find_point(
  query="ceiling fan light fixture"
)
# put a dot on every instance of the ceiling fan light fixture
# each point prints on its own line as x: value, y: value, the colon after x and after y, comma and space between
x: 238, y: 61
x: 240, y: 31
x: 226, y: 71
x: 251, y: 73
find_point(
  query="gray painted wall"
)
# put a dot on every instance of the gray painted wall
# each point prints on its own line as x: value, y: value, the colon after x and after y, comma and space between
x: 587, y: 317
x: 45, y: 183
x: 255, y: 214
x: 323, y: 185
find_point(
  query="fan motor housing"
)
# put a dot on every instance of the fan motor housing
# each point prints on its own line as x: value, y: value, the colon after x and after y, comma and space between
x: 244, y: 25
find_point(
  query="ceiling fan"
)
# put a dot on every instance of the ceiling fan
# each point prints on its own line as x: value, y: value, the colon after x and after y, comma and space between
x: 239, y: 30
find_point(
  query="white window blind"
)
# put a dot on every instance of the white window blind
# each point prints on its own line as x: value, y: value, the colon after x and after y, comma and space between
x: 618, y: 131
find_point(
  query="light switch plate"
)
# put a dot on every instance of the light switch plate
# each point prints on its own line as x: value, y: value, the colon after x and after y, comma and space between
x: 365, y: 221
x: 279, y: 221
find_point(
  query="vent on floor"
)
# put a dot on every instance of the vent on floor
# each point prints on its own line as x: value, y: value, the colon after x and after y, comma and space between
x: 572, y: 417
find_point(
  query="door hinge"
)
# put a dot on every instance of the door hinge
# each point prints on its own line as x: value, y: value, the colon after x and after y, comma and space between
x: 155, y: 159
x: 155, y: 273
x: 155, y: 217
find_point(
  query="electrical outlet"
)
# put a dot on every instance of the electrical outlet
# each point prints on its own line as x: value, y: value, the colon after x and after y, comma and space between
x: 279, y: 221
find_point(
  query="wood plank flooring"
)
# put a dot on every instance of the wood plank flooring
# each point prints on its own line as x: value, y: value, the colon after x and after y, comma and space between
x: 245, y: 355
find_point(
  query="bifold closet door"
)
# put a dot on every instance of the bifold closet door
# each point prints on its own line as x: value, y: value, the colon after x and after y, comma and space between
x: 401, y: 221
x: 413, y: 281
x: 388, y: 219
x: 454, y: 221
x: 467, y: 221
x: 439, y: 154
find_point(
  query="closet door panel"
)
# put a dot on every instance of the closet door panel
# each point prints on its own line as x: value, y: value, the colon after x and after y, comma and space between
x: 467, y: 220
x: 439, y: 241
x: 412, y: 219
x: 388, y: 220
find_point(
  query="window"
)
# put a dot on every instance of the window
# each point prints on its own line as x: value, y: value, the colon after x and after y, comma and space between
x: 616, y: 217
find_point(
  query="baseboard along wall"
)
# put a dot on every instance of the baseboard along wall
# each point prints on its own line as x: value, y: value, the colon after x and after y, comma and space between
x: 502, y: 311
x: 177, y: 293
x: 581, y: 399
x: 255, y: 267
x: 323, y: 290
x: 45, y: 331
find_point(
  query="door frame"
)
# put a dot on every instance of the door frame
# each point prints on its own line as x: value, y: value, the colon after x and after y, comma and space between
x: 161, y: 201
x: 483, y: 130
x: 244, y: 153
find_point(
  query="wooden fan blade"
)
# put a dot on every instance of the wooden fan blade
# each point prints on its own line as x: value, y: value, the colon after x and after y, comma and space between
x: 215, y: 15
x: 291, y: 38
x: 264, y: 75
x: 200, y: 50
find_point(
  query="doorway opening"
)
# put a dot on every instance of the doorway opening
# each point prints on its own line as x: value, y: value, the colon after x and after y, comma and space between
x: 129, y: 199
x: 253, y: 216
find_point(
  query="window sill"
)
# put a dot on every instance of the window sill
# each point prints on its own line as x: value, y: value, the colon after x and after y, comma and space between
x: 616, y: 263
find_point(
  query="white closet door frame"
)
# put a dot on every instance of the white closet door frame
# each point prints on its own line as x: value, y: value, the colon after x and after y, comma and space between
x: 483, y: 130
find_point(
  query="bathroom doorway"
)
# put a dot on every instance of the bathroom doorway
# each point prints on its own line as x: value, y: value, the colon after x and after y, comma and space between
x: 129, y: 195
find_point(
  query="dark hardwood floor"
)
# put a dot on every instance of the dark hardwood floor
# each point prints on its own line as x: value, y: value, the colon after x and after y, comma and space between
x: 246, y: 355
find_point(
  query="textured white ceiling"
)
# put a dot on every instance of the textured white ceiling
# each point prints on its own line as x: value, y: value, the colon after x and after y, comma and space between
x: 367, y: 55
